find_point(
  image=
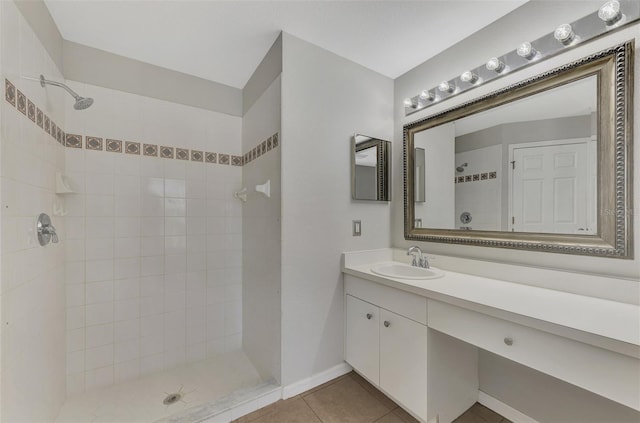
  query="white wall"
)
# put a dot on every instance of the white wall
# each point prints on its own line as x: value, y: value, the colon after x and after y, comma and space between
x: 32, y: 286
x: 529, y: 22
x: 261, y: 246
x: 480, y: 198
x: 325, y: 99
x: 154, y: 245
x: 437, y: 211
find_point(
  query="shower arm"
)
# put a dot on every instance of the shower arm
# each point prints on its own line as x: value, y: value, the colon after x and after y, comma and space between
x: 43, y: 82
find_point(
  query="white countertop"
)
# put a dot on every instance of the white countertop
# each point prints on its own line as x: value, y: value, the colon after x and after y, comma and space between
x: 608, y: 319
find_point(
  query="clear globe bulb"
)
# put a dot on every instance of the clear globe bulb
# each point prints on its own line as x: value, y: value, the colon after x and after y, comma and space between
x: 610, y: 12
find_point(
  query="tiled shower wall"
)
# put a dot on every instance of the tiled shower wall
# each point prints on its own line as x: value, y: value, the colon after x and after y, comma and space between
x: 32, y: 286
x: 154, y: 245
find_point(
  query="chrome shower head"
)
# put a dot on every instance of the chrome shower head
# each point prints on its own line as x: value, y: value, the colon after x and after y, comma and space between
x: 81, y: 102
x: 460, y: 168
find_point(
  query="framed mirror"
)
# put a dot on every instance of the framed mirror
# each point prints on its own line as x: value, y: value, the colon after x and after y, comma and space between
x: 544, y: 164
x: 370, y: 161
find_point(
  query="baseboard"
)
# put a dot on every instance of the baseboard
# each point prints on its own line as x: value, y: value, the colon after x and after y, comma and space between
x: 318, y: 379
x: 503, y: 409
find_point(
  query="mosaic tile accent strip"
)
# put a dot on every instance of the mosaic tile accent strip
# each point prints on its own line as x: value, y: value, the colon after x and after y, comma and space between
x: 93, y: 143
x: 182, y: 154
x: 31, y: 111
x: 74, y: 141
x: 260, y: 149
x: 475, y: 177
x: 114, y: 146
x: 211, y: 157
x: 150, y: 150
x: 132, y: 147
x: 166, y: 152
x: 27, y: 107
x: 10, y: 92
x: 21, y: 103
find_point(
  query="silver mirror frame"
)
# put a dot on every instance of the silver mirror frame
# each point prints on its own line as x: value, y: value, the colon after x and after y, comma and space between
x: 614, y: 68
x: 383, y: 151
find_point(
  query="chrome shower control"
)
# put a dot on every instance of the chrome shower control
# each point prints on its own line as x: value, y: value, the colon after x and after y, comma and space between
x: 46, y: 231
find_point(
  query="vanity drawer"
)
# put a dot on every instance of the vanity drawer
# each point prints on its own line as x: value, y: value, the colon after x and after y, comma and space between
x: 606, y: 373
x: 400, y: 302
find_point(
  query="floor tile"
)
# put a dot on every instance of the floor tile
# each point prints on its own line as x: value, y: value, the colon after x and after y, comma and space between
x: 373, y: 391
x: 488, y: 415
x: 346, y: 401
x: 404, y: 416
x: 390, y: 418
x: 290, y: 411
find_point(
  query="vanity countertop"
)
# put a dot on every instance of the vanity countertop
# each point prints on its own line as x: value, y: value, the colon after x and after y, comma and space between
x: 610, y: 320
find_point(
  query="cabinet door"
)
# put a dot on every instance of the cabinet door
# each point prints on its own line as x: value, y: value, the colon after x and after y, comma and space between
x: 403, y: 361
x: 362, y: 338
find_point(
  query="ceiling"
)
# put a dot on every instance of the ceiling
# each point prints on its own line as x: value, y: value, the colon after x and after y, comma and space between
x: 575, y: 99
x: 224, y: 41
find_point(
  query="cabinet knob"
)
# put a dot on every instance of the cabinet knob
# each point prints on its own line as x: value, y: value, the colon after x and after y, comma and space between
x: 508, y: 340
x: 369, y: 316
x: 387, y: 323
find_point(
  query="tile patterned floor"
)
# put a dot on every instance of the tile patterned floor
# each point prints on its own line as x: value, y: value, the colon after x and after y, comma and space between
x: 350, y: 399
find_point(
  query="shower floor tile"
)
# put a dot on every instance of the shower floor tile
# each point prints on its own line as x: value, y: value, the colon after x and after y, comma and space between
x: 141, y: 400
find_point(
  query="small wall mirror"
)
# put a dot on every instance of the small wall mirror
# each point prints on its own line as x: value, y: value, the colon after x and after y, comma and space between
x: 370, y: 162
x: 544, y: 164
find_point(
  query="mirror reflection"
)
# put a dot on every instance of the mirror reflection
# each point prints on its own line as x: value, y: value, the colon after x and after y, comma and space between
x: 526, y: 166
x: 370, y: 168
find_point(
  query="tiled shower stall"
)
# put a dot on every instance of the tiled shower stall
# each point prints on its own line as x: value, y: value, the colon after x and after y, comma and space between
x: 148, y: 273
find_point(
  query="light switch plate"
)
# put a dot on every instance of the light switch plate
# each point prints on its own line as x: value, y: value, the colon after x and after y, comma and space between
x: 357, y: 228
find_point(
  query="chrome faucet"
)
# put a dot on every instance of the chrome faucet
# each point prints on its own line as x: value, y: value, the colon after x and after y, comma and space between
x: 419, y: 260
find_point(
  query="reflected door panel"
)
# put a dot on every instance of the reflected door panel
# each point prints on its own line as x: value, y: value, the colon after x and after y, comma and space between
x: 549, y: 188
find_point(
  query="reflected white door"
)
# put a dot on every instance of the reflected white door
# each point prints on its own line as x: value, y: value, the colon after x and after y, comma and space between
x: 549, y: 189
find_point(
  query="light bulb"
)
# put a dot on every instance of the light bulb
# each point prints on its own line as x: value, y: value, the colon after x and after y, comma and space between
x: 610, y: 12
x: 468, y: 76
x: 426, y: 95
x: 564, y: 33
x: 526, y: 50
x: 446, y: 87
x: 409, y: 102
x: 495, y: 64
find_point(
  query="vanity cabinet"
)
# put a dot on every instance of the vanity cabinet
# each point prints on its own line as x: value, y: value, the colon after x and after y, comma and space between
x: 432, y: 376
x: 390, y: 350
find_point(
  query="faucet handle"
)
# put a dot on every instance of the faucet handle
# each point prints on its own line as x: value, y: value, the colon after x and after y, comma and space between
x: 414, y: 262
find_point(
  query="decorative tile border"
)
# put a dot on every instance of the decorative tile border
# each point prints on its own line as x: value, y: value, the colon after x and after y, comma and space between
x: 150, y: 150
x: 93, y: 143
x: 74, y: 141
x: 21, y: 103
x: 114, y: 146
x: 27, y: 107
x: 475, y: 177
x: 10, y: 92
x: 132, y: 147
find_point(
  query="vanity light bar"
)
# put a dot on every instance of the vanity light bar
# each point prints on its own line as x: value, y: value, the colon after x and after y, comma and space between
x: 611, y: 16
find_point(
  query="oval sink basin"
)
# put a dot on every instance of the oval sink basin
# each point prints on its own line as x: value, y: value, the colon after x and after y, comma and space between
x: 404, y: 271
